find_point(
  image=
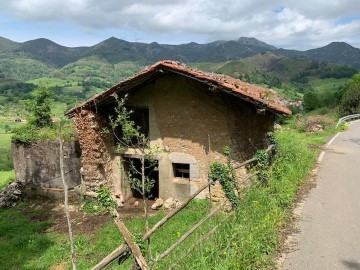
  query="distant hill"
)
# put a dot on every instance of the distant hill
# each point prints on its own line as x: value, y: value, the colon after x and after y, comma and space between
x: 337, y: 52
x: 49, y: 52
x: 7, y: 44
x: 115, y: 50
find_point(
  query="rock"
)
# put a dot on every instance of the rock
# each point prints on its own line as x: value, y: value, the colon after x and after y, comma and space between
x: 10, y: 195
x: 136, y: 203
x: 157, y: 204
x: 277, y: 126
x: 316, y: 128
x: 170, y: 203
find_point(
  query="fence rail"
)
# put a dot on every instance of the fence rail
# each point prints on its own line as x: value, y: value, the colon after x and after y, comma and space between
x: 347, y: 118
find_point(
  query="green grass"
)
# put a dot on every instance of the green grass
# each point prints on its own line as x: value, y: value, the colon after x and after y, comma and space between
x: 329, y: 84
x: 6, y: 162
x: 5, y: 140
x: 27, y: 244
x: 6, y: 177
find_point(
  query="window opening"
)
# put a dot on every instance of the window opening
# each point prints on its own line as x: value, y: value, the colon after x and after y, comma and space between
x: 181, y: 170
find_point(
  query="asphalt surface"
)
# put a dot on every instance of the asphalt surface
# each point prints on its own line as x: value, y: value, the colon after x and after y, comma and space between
x: 329, y: 226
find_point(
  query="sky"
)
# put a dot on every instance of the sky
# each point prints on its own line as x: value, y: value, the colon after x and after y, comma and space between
x: 291, y: 24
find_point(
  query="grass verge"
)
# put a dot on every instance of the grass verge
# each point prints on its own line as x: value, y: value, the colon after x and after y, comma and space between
x: 6, y: 177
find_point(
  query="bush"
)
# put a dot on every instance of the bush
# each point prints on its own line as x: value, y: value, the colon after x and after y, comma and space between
x: 29, y: 133
x: 311, y: 101
x: 350, y: 102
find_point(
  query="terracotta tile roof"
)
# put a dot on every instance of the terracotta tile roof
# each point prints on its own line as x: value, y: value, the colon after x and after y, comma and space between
x: 260, y: 96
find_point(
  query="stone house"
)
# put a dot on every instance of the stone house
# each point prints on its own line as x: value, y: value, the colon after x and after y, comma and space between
x: 191, y: 114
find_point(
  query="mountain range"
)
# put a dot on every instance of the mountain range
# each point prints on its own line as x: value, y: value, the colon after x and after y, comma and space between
x: 116, y: 50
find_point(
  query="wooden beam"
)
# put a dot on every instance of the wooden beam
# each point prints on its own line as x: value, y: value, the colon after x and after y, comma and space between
x: 123, y: 248
x: 111, y: 257
x: 175, y: 211
x: 188, y: 233
x: 135, y: 250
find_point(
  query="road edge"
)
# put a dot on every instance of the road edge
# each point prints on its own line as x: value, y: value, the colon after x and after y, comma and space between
x: 295, y: 213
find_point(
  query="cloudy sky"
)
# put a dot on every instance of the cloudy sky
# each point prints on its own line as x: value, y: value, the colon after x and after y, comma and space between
x: 291, y: 24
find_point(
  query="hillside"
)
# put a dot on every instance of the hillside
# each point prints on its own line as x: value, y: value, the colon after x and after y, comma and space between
x: 115, y: 50
x: 76, y: 74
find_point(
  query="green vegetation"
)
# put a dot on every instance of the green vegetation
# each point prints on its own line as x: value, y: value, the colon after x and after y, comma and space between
x: 226, y: 175
x: 350, y: 102
x: 37, y: 247
x: 6, y: 177
x: 246, y: 239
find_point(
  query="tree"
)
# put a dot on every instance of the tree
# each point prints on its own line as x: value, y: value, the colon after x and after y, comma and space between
x: 311, y: 101
x: 131, y: 136
x: 40, y: 107
x: 350, y: 102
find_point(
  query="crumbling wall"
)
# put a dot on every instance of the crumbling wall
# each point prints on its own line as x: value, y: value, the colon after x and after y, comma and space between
x: 187, y: 119
x: 96, y: 159
x: 37, y: 165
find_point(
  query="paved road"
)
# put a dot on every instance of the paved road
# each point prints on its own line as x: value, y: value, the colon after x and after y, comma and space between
x: 330, y: 221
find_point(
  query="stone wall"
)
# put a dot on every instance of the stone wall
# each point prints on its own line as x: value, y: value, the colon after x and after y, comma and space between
x: 38, y: 167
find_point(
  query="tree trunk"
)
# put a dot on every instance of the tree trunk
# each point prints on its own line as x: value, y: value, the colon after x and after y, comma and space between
x: 66, y: 199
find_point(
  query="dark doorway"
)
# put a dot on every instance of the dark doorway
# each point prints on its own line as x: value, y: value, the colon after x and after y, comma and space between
x: 133, y: 165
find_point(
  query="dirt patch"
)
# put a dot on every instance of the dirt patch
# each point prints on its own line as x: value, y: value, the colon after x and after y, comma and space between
x: 82, y: 223
x: 288, y: 243
x: 61, y: 266
x: 130, y: 210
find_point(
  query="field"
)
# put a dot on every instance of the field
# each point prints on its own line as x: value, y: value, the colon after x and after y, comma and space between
x: 329, y: 84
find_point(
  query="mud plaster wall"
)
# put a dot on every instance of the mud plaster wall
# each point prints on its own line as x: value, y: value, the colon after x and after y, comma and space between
x: 184, y: 114
x: 38, y: 164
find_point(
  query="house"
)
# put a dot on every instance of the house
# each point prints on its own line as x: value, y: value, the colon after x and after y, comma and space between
x: 191, y: 114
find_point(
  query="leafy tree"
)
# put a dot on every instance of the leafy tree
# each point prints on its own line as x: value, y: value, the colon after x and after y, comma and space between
x: 40, y: 107
x: 311, y: 101
x: 130, y: 136
x: 350, y: 102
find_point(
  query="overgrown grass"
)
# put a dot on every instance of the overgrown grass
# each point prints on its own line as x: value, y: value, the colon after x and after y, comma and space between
x: 29, y: 133
x: 6, y: 162
x: 6, y: 177
x: 250, y: 240
x: 31, y: 245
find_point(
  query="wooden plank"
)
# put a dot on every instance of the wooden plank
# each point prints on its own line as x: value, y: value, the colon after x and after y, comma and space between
x: 111, y: 257
x: 193, y: 246
x: 123, y: 248
x: 132, y: 246
x: 188, y: 233
x: 175, y: 211
x: 239, y: 165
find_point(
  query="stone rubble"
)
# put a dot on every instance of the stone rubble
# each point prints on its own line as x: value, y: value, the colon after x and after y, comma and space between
x: 157, y: 204
x: 170, y: 203
x: 10, y: 195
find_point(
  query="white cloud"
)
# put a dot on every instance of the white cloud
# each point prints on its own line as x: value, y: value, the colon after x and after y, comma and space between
x: 294, y: 24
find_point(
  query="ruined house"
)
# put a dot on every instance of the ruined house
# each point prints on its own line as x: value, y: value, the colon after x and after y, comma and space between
x: 191, y: 114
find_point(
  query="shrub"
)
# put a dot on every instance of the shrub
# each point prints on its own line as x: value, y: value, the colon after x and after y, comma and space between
x: 29, y: 133
x: 350, y: 102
